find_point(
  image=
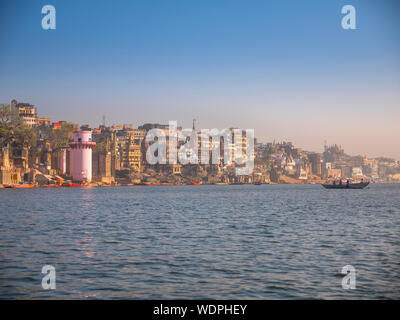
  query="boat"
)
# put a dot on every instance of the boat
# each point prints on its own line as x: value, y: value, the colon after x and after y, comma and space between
x: 360, y: 185
x: 20, y: 186
x: 77, y: 185
x: 194, y: 183
x: 258, y: 183
x: 150, y: 184
x: 51, y: 186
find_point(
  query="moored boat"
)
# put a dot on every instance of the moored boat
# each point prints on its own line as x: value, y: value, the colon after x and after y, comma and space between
x: 20, y: 186
x: 77, y: 185
x: 150, y: 184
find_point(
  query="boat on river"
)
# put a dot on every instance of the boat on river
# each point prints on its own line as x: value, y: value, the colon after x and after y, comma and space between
x: 20, y: 186
x: 359, y: 185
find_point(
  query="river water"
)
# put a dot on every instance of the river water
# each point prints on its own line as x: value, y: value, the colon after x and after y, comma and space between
x: 186, y: 242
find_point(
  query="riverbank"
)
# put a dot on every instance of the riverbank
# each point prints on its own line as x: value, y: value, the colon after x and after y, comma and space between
x: 100, y: 185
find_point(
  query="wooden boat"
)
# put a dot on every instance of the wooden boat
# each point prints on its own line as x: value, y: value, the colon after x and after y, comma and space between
x: 164, y: 184
x: 360, y: 185
x: 77, y: 185
x: 150, y: 184
x: 194, y: 183
x: 258, y: 183
x: 51, y: 186
x: 21, y: 186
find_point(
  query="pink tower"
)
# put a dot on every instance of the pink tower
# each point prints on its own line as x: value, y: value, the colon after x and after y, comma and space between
x: 81, y: 156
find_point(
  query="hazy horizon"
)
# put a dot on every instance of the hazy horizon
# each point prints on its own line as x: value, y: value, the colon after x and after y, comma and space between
x: 287, y: 69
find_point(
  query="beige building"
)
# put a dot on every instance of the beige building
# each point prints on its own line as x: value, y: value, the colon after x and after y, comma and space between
x: 27, y: 113
x: 130, y: 143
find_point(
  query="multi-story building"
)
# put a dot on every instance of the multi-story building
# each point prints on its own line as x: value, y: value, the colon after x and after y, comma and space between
x: 316, y: 163
x: 168, y: 161
x: 130, y: 147
x: 27, y: 113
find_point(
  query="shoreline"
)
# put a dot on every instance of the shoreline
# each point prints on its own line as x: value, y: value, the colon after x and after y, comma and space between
x: 94, y: 185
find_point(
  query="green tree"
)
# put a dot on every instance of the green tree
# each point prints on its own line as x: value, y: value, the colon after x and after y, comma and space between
x: 9, y: 122
x: 25, y: 135
x: 60, y: 138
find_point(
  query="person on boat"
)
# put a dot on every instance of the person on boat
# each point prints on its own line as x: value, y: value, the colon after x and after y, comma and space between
x: 334, y: 182
x: 347, y: 183
x: 340, y: 182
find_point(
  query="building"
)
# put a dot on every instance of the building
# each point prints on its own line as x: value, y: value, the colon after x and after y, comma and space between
x: 165, y: 141
x: 5, y: 166
x: 301, y: 174
x: 334, y: 173
x: 316, y: 163
x: 20, y: 155
x: 43, y: 122
x: 56, y: 126
x: 26, y: 112
x: 101, y: 166
x: 356, y: 172
x: 346, y: 171
x: 130, y: 147
x: 81, y: 156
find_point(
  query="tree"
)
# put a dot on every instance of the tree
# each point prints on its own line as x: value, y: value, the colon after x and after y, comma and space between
x: 9, y: 122
x: 25, y: 135
x: 9, y: 115
x: 61, y: 137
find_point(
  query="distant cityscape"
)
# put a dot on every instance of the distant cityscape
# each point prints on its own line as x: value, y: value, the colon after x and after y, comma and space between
x: 36, y: 150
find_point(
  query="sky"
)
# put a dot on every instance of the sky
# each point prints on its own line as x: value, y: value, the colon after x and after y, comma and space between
x: 286, y: 69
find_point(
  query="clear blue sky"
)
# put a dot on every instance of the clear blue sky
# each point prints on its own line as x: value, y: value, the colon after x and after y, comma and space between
x: 285, y: 68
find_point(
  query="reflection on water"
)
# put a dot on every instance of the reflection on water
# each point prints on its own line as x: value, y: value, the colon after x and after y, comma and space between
x: 262, y: 242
